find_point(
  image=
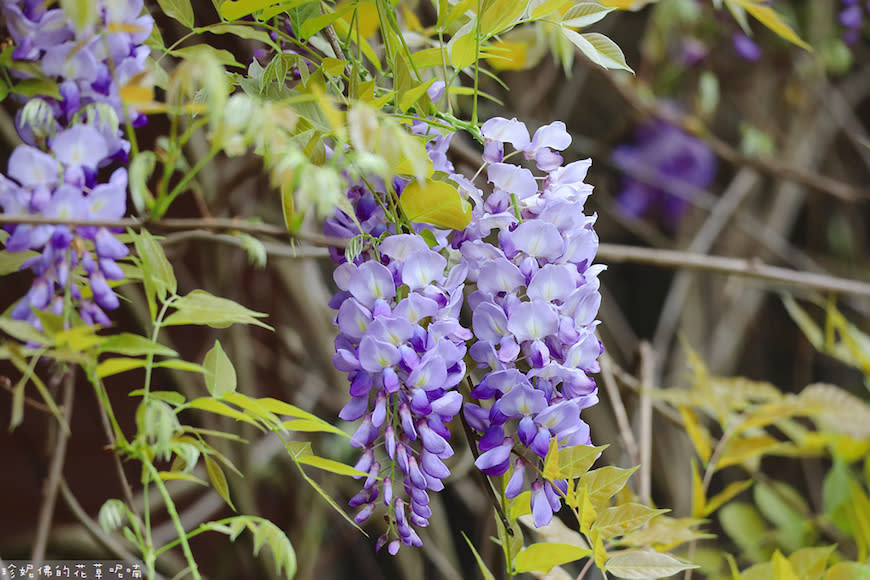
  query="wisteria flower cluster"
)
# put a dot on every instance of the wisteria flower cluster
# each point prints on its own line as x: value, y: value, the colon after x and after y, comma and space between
x: 68, y: 141
x: 527, y: 258
x: 534, y: 307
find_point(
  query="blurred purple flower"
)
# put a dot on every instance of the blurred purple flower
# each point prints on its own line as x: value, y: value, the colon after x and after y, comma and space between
x: 746, y: 47
x: 662, y: 159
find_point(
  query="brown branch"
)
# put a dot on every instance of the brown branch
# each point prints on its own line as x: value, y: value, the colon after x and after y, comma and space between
x: 841, y: 190
x: 180, y: 224
x: 55, y: 473
x: 6, y: 384
x: 751, y: 268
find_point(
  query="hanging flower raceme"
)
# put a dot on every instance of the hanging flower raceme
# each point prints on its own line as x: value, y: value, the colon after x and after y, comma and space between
x: 67, y: 141
x: 533, y: 309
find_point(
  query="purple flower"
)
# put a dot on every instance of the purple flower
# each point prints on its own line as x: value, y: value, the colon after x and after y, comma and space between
x: 662, y: 159
x: 66, y: 142
x: 533, y: 308
x: 746, y: 47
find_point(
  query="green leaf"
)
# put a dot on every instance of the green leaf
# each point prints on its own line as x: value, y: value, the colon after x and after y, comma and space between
x: 487, y: 575
x: 240, y: 30
x: 848, y: 571
x: 598, y: 48
x: 157, y: 274
x: 410, y: 97
x: 734, y: 488
x: 768, y: 16
x: 200, y: 307
x: 180, y: 10
x: 331, y: 466
x: 235, y: 9
x: 697, y: 433
x: 665, y: 533
x: 220, y: 376
x: 134, y: 345
x: 218, y: 480
x: 742, y: 522
x: 220, y: 55
x: 139, y: 172
x: 114, y: 366
x: 604, y: 483
x: 173, y: 398
x: 643, y: 564
x: 179, y: 475
x: 437, y: 203
x: 221, y: 408
x: 11, y: 261
x: 22, y: 330
x: 810, y: 563
x: 542, y: 556
x: 181, y: 365
x: 741, y: 449
x: 462, y: 46
x: 312, y: 26
x: 315, y: 425
x: 573, y: 462
x: 618, y: 520
x: 584, y: 14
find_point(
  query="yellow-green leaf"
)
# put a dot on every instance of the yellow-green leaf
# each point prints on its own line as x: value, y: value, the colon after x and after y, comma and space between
x: 645, y: 564
x: 697, y: 433
x: 768, y: 16
x: 331, y: 466
x: 220, y: 376
x: 617, y: 520
x: 463, y: 47
x: 218, y: 480
x: 742, y: 449
x: 437, y: 203
x: 487, y: 575
x: 179, y: 475
x: 727, y: 494
x: 114, y: 366
x: 699, y: 497
x: 848, y: 571
x: 603, y: 483
x: 782, y: 569
x: 221, y: 408
x: 586, y: 513
x: 810, y: 563
x: 544, y: 555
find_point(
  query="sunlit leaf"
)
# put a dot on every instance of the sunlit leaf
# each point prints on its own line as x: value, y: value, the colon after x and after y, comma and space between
x: 543, y: 556
x: 218, y: 480
x: 603, y: 483
x: 180, y: 10
x: 331, y: 466
x: 179, y: 476
x: 730, y: 492
x: 644, y: 564
x: 698, y: 434
x: 200, y: 307
x: 810, y: 563
x: 768, y: 17
x: 740, y: 449
x: 598, y: 48
x: 620, y: 519
x: 117, y: 365
x: 437, y: 203
x: 584, y: 14
x: 134, y: 345
x: 221, y: 408
x: 220, y: 375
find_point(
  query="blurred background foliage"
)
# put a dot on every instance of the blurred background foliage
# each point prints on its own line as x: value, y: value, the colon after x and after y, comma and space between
x: 744, y: 401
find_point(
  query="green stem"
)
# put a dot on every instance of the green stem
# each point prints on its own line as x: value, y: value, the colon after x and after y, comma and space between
x: 165, y: 202
x: 173, y: 513
x: 476, y: 61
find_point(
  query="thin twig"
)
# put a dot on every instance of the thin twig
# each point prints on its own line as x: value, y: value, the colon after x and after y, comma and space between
x: 49, y: 491
x: 6, y: 384
x: 647, y: 378
x: 751, y: 268
x: 619, y: 412
x: 181, y: 224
